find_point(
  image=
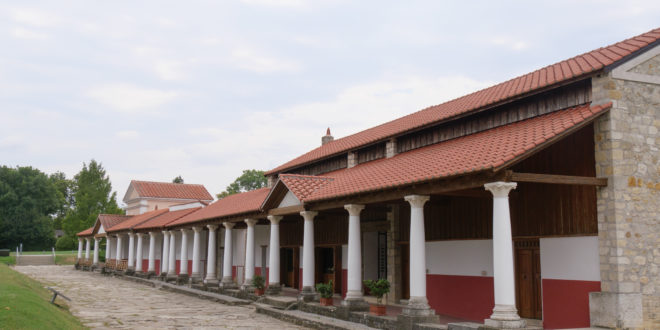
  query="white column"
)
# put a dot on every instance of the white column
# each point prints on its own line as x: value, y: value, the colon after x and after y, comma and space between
x: 138, y: 253
x: 108, y: 247
x: 87, y: 248
x: 96, y: 251
x: 152, y: 252
x: 171, y: 264
x: 418, y: 301
x: 211, y: 258
x: 354, y: 283
x: 226, y: 261
x: 308, y: 251
x: 196, y: 252
x: 118, y: 257
x: 504, y: 312
x: 164, y: 258
x: 274, y: 251
x: 183, y: 267
x: 131, y: 251
x: 80, y: 248
x: 249, y: 252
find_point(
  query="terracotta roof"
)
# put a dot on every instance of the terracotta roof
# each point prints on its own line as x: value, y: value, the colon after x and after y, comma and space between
x: 578, y: 66
x: 110, y: 220
x: 304, y: 185
x: 86, y: 232
x: 164, y: 219
x: 171, y: 190
x: 136, y: 220
x: 472, y: 153
x: 231, y: 205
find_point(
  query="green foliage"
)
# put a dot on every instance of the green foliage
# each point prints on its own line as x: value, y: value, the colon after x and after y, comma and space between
x: 378, y: 288
x: 178, y: 179
x: 325, y: 289
x: 25, y: 304
x: 258, y: 282
x: 10, y: 260
x: 66, y: 202
x: 92, y: 195
x: 27, y: 199
x: 65, y: 243
x: 249, y: 180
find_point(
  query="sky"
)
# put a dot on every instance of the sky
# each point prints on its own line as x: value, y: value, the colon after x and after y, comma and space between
x: 206, y: 89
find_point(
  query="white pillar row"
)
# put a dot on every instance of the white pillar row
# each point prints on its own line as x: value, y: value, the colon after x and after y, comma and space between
x: 183, y: 267
x: 196, y: 252
x: 164, y: 258
x: 87, y: 247
x: 505, y: 313
x: 171, y: 263
x: 152, y: 252
x: 80, y: 248
x: 308, y: 252
x: 108, y: 247
x: 227, y: 280
x: 274, y: 251
x: 96, y: 251
x: 211, y: 258
x: 354, y: 273
x: 418, y: 303
x: 118, y: 257
x: 131, y: 251
x: 249, y: 252
x: 138, y: 253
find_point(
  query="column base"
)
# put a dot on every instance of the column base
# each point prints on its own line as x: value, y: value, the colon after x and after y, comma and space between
x: 308, y: 294
x: 195, y: 278
x: 418, y: 306
x: 273, y: 289
x: 616, y: 310
x: 228, y: 283
x: 505, y: 317
x: 171, y: 276
x: 182, y: 279
x: 129, y: 271
x: 211, y: 281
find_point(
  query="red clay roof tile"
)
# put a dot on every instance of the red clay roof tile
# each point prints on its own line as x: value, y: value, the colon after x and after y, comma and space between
x: 86, y: 232
x: 136, y: 220
x: 110, y: 220
x: 171, y: 190
x: 165, y: 219
x: 232, y: 205
x: 581, y: 65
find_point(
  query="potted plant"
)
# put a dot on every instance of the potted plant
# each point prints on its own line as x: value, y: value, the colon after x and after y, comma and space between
x: 258, y: 284
x: 325, y: 290
x: 378, y: 288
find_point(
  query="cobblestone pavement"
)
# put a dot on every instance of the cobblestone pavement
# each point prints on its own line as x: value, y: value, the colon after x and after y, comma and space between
x: 106, y: 302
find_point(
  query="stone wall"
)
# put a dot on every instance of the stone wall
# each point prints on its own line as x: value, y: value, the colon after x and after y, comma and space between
x: 627, y: 152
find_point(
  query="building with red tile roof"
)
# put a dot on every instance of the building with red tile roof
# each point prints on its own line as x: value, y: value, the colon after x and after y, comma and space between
x: 142, y: 196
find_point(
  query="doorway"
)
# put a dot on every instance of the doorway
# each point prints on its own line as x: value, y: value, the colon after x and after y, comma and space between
x: 528, y: 278
x: 405, y: 271
x: 289, y: 267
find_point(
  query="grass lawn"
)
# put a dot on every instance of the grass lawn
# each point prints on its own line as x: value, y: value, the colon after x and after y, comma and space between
x: 65, y: 259
x: 25, y: 304
x: 11, y: 260
x: 47, y: 252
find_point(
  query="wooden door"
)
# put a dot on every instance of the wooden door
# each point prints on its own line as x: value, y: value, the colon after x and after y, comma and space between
x: 528, y: 279
x: 289, y: 267
x: 338, y: 271
x: 325, y: 265
x: 405, y: 271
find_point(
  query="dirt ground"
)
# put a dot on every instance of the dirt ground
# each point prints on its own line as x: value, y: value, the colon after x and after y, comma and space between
x: 106, y: 302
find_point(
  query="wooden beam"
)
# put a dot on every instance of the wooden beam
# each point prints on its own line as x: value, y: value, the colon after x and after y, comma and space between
x: 558, y: 179
x: 295, y: 209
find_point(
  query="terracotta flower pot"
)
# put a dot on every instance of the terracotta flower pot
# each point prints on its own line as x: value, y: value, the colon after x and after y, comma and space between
x: 259, y: 292
x: 378, y: 310
x: 327, y: 302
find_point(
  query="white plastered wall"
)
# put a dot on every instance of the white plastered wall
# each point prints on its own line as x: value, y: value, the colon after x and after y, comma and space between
x: 570, y: 258
x: 463, y: 258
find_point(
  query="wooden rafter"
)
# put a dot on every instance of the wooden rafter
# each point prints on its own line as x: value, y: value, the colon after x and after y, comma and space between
x: 556, y: 179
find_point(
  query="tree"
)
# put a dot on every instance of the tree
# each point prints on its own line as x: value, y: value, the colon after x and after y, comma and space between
x: 65, y: 187
x: 92, y: 195
x: 249, y: 180
x: 27, y: 199
x: 178, y: 179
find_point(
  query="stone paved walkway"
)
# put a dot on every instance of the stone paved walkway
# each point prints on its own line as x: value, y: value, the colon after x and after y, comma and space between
x: 106, y: 302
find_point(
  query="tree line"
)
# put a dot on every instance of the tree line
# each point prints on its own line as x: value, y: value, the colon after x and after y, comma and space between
x: 33, y: 205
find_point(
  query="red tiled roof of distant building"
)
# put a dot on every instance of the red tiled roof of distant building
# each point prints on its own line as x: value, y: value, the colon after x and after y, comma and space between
x: 578, y: 66
x: 231, y: 205
x: 171, y: 190
x: 136, y: 220
x: 485, y: 150
x: 165, y: 219
x: 86, y: 232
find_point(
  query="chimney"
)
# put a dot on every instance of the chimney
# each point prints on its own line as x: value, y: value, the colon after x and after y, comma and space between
x: 327, y: 138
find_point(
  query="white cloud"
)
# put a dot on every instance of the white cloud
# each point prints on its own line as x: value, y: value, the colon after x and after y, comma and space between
x: 128, y: 97
x: 275, y: 3
x: 34, y: 17
x: 127, y: 135
x: 510, y: 42
x: 254, y: 61
x: 169, y: 70
x: 23, y: 33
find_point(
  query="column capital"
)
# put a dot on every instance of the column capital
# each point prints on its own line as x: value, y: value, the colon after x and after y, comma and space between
x: 212, y: 227
x: 131, y: 234
x: 87, y: 239
x: 80, y: 239
x: 500, y: 188
x: 197, y: 229
x: 251, y: 222
x: 417, y: 200
x: 228, y: 225
x: 96, y: 239
x: 308, y: 215
x: 274, y: 219
x: 165, y: 232
x: 354, y: 209
x: 184, y: 230
x: 152, y: 233
x: 172, y: 232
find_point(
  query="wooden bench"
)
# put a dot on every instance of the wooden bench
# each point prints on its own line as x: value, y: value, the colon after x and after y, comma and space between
x: 55, y: 294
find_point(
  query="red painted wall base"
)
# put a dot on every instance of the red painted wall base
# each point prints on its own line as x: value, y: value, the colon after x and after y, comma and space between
x: 467, y: 297
x: 566, y: 303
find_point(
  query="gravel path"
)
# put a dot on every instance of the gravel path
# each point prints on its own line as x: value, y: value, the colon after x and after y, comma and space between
x: 106, y: 302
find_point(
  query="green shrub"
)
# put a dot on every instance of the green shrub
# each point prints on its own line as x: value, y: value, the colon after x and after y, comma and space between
x: 324, y: 289
x: 258, y: 282
x: 378, y: 288
x: 65, y: 243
